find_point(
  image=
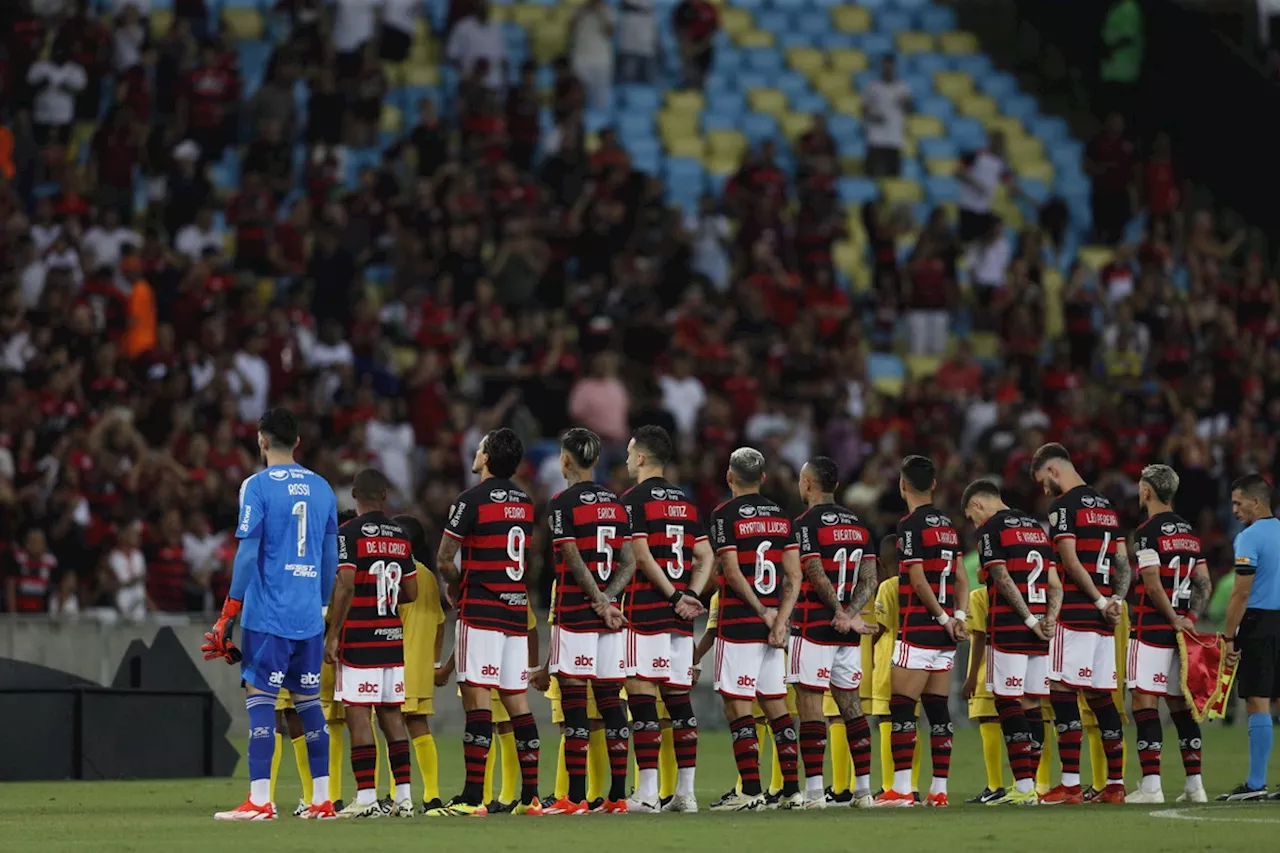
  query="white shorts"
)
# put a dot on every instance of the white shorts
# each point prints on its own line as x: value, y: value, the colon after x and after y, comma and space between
x: 908, y: 656
x: 1084, y: 660
x: 1154, y: 670
x: 1011, y: 675
x: 819, y: 666
x: 750, y: 670
x: 492, y: 659
x: 354, y: 685
x: 664, y: 658
x: 601, y: 657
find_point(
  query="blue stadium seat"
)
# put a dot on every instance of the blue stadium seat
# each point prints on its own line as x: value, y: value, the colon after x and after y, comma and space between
x: 937, y: 148
x: 1037, y: 190
x: 937, y: 19
x: 854, y: 146
x: 729, y: 59
x: 635, y: 125
x: 597, y: 120
x: 641, y: 98
x: 852, y: 191
x: 685, y: 173
x: 794, y: 39
x: 717, y: 120
x: 941, y: 188
x: 875, y: 45
x: 844, y: 127
x: 882, y: 365
x: 997, y: 84
x: 936, y: 105
x: 758, y: 126
x: 967, y: 133
x: 1049, y: 129
x: 746, y: 80
x: 809, y: 102
x: 791, y: 83
x: 774, y: 21
x: 973, y: 64
x: 813, y: 23
x: 891, y: 21
x: 928, y: 63
x: 912, y: 170
x: 1022, y: 107
x: 764, y: 59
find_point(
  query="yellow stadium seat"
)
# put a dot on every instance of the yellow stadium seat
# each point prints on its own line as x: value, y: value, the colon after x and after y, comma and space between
x: 686, y: 146
x: 677, y: 125
x: 891, y: 385
x: 725, y: 143
x: 944, y: 166
x: 1008, y: 211
x: 922, y: 366
x: 1095, y: 257
x: 1010, y: 127
x: 853, y: 224
x: 527, y: 15
x: 851, y: 19
x: 755, y: 38
x: 421, y: 74
x: 901, y: 190
x: 392, y: 120
x: 161, y: 20
x: 981, y: 107
x: 847, y: 104
x: 1039, y: 170
x: 848, y: 60
x: 722, y: 165
x: 549, y: 41
x: 243, y: 24
x: 910, y: 148
x: 958, y: 42
x: 795, y: 124
x: 985, y: 345
x: 736, y: 21
x: 833, y: 84
x: 925, y: 127
x: 1024, y: 148
x: 953, y: 84
x: 771, y: 101
x: 685, y: 102
x: 913, y: 42
x: 591, y: 143
x: 809, y: 61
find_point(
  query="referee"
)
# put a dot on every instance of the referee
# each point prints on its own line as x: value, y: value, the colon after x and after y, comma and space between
x: 1253, y: 623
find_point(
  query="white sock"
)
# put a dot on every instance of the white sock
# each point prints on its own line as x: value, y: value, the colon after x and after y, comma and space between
x: 260, y: 791
x: 813, y: 784
x: 1071, y: 780
x: 403, y: 792
x: 364, y: 796
x: 902, y: 781
x: 862, y: 786
x: 320, y: 793
x: 1194, y: 783
x: 1120, y: 782
x: 938, y: 786
x: 1026, y: 786
x: 1150, y: 784
x: 647, y: 785
x: 684, y: 780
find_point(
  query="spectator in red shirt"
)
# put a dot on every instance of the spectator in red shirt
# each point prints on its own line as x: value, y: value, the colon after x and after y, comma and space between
x: 1109, y: 161
x: 930, y: 294
x: 116, y: 150
x: 695, y: 23
x: 210, y: 93
x: 1160, y: 181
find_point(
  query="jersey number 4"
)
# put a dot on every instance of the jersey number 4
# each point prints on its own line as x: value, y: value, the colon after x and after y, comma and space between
x: 1181, y: 582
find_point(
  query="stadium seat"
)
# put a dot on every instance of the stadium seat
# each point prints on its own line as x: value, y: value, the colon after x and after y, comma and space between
x: 937, y: 148
x: 914, y: 42
x: 851, y: 19
x: 958, y: 42
x: 885, y: 366
x: 941, y: 188
x: 1096, y: 257
x: 937, y: 20
x: 726, y: 143
x: 755, y: 39
x: 856, y: 191
x: 243, y: 24
x: 942, y: 166
x: 935, y: 105
x: 736, y: 21
x: 685, y: 102
x: 981, y: 107
x: 922, y: 366
x: 796, y: 124
x: 892, y: 21
x: 953, y: 84
x: 807, y: 60
x: 848, y: 60
x: 770, y: 101
x: 849, y: 104
x: 925, y: 126
x: 691, y: 147
x: 901, y: 191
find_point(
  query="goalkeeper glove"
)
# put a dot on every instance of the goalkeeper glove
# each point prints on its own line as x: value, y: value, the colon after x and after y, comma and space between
x: 218, y: 642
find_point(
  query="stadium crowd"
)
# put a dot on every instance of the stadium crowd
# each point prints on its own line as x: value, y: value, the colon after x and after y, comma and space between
x: 486, y: 273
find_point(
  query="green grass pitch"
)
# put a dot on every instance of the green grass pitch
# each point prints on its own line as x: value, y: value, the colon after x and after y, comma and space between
x: 175, y: 817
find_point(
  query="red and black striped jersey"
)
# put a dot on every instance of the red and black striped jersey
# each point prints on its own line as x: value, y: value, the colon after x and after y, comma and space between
x: 838, y: 538
x: 1084, y: 515
x: 32, y: 576
x: 758, y: 531
x: 928, y: 538
x: 378, y: 551
x: 590, y: 516
x: 493, y: 521
x: 661, y: 514
x: 1170, y: 540
x: 1018, y: 542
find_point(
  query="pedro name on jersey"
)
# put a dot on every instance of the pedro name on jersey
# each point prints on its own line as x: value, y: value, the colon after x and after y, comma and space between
x: 1015, y: 540
x: 837, y: 537
x: 378, y: 551
x: 926, y: 538
x: 1084, y: 515
x: 591, y: 517
x: 494, y: 522
x: 660, y: 514
x: 1169, y: 539
x: 755, y: 529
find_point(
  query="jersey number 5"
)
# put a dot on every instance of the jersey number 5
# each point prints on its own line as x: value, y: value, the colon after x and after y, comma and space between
x: 604, y: 547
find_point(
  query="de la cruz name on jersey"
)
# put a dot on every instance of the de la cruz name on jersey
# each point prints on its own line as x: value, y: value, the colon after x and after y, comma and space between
x: 1084, y: 515
x: 1174, y: 543
x: 1018, y: 542
x: 378, y: 551
x: 661, y: 514
x: 928, y: 538
x: 838, y: 538
x: 757, y: 530
x: 590, y: 516
x: 494, y: 522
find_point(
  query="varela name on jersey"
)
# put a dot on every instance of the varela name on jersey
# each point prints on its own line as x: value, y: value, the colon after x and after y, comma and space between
x: 1018, y: 542
x: 1084, y: 515
x: 928, y: 538
x: 494, y: 522
x: 758, y: 531
x: 378, y: 550
x: 838, y: 538
x: 1170, y: 540
x: 590, y: 516
x: 661, y: 514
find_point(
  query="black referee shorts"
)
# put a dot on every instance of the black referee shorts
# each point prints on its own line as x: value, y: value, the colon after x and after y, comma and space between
x: 1258, y: 639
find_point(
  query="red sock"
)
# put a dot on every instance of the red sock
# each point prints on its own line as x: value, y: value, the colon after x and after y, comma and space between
x: 684, y: 729
x: 746, y: 752
x: 813, y: 746
x: 1112, y: 730
x: 1070, y: 734
x: 475, y: 753
x: 646, y: 733
x: 364, y: 761
x: 858, y: 733
x: 398, y: 751
x: 526, y: 731
x: 940, y: 732
x: 1017, y: 739
x: 902, y: 737
x: 787, y: 745
x: 1188, y: 741
x: 1150, y: 739
x: 577, y: 731
x: 617, y: 736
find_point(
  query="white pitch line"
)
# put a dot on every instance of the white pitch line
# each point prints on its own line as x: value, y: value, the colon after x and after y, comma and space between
x: 1198, y: 814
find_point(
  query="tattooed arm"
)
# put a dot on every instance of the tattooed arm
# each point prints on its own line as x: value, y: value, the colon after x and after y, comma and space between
x: 1053, y: 600
x: 865, y: 588
x: 1009, y: 590
x: 1121, y: 572
x: 582, y: 576
x: 820, y: 583
x: 444, y: 560
x: 623, y: 572
x: 1201, y: 587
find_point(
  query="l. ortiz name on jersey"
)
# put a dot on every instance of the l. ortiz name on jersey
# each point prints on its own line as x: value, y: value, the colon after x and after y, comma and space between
x: 662, y: 516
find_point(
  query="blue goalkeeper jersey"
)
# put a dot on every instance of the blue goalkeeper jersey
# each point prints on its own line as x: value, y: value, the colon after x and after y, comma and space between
x: 291, y: 514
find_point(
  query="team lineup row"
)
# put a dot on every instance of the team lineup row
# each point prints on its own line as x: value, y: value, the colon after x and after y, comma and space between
x: 795, y: 600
